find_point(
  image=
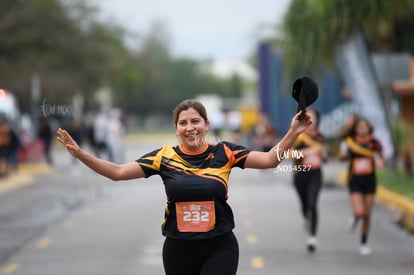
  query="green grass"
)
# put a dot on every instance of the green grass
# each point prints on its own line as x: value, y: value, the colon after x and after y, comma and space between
x: 397, y: 182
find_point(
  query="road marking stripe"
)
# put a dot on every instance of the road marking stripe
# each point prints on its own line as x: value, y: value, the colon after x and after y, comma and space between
x: 68, y: 224
x: 247, y: 222
x: 257, y: 262
x: 8, y: 269
x: 23, y: 176
x: 251, y: 239
x: 43, y: 243
x: 35, y: 168
x: 14, y: 182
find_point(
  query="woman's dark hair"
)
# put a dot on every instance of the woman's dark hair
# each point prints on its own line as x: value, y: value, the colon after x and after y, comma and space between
x: 352, y: 130
x: 187, y: 104
x: 317, y: 114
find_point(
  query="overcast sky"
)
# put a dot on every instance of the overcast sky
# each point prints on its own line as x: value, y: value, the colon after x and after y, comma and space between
x: 224, y: 30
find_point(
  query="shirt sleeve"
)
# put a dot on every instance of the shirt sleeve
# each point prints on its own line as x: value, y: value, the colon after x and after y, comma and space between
x: 321, y: 138
x: 150, y: 162
x: 378, y: 146
x: 236, y: 154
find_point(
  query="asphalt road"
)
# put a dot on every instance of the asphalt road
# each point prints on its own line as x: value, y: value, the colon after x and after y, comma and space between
x: 72, y: 221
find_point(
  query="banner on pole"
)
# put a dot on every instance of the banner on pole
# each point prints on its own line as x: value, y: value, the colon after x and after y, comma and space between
x: 354, y: 64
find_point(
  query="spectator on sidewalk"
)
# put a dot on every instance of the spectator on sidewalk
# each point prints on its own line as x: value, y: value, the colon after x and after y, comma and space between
x: 100, y: 134
x: 115, y: 140
x: 9, y: 144
x: 76, y: 131
x: 4, y: 144
x: 46, y: 136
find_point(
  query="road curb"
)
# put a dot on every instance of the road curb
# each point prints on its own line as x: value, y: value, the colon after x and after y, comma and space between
x: 400, y: 204
x: 22, y: 176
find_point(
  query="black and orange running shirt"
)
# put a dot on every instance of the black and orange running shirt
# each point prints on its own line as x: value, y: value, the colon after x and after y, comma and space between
x: 200, y: 176
x: 309, y: 161
x: 362, y: 152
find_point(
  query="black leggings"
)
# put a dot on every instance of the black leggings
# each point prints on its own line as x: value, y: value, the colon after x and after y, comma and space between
x: 308, y: 185
x: 218, y: 256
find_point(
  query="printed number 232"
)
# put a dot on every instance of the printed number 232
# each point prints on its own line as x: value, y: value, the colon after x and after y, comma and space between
x: 195, y: 216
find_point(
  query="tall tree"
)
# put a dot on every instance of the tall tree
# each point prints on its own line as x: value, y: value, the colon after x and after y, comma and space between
x: 71, y: 52
x: 314, y: 28
x: 337, y: 31
x: 61, y: 43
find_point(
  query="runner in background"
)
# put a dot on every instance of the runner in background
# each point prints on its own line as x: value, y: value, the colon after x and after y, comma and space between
x: 365, y: 154
x: 264, y: 134
x: 307, y: 176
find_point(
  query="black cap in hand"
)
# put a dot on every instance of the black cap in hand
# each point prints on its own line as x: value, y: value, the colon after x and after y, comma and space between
x: 305, y: 91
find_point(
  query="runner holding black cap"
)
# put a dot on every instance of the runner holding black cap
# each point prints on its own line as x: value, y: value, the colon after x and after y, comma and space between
x: 307, y: 177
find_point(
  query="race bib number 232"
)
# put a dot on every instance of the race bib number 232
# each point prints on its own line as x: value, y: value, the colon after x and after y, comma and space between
x: 196, y: 216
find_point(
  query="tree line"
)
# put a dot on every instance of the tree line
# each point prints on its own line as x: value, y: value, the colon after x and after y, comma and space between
x: 64, y: 45
x: 72, y: 53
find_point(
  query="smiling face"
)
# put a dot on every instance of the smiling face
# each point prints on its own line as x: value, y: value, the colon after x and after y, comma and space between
x: 362, y: 128
x: 191, y: 128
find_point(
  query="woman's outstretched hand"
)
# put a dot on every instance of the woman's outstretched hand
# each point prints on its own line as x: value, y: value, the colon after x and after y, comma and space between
x: 66, y: 140
x: 300, y: 125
